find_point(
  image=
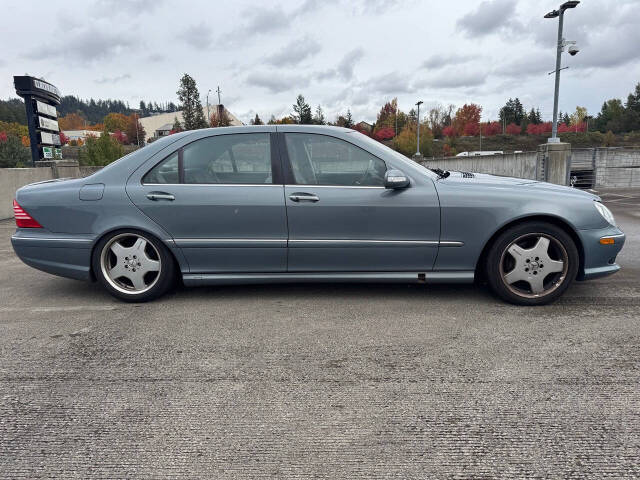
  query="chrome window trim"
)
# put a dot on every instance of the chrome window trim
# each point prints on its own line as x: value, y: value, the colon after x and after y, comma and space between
x: 214, y: 184
x: 311, y: 185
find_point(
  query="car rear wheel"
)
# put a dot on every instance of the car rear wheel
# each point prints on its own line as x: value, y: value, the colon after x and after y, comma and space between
x: 133, y: 266
x: 532, y: 263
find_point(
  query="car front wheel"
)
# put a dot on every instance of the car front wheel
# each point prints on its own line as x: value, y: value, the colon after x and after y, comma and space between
x: 532, y: 263
x: 133, y: 266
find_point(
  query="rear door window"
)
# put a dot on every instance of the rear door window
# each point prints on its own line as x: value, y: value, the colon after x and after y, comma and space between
x: 243, y: 158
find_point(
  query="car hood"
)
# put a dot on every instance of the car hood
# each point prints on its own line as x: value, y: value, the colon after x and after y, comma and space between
x: 495, y: 181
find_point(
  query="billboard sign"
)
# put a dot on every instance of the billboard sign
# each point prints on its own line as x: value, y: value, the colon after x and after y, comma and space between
x: 40, y: 101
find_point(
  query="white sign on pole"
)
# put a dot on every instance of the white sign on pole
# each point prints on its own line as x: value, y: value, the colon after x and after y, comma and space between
x: 47, y: 152
x: 46, y: 109
x: 48, y: 124
x: 49, y: 138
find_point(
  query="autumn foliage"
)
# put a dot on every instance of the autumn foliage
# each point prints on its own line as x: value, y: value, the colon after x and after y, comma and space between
x: 386, y: 133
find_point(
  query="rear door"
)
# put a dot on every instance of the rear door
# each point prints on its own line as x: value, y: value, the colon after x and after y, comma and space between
x: 221, y: 200
x: 342, y: 219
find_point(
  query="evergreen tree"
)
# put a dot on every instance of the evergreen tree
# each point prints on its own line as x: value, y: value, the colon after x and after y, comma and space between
x: 257, y: 121
x: 302, y: 111
x: 348, y: 120
x: 191, y: 107
x: 318, y: 118
x: 177, y: 126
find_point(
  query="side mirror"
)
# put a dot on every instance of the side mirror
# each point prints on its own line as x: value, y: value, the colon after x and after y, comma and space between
x: 395, y: 179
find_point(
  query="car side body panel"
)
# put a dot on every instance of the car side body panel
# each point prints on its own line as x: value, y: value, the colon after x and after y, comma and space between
x: 458, y: 215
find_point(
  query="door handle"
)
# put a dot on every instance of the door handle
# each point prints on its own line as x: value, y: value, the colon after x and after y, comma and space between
x: 155, y: 196
x: 303, y: 197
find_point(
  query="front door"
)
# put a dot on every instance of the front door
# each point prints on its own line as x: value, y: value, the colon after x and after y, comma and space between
x: 216, y: 197
x: 342, y: 219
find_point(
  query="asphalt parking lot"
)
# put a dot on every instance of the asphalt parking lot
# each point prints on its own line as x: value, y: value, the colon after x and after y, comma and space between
x: 320, y: 381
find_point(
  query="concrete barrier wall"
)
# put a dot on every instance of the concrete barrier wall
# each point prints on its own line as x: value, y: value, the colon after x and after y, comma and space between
x: 617, y: 167
x: 11, y: 179
x: 520, y: 165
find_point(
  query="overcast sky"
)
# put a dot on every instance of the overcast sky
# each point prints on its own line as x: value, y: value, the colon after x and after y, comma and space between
x: 340, y: 54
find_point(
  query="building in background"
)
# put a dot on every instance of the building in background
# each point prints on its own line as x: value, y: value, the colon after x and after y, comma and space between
x: 364, y: 126
x: 161, y: 124
x: 81, y: 134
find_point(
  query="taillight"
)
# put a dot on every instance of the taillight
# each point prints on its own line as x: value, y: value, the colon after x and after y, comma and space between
x: 23, y: 219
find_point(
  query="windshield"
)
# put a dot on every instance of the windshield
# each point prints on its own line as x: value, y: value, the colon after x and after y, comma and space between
x: 390, y: 151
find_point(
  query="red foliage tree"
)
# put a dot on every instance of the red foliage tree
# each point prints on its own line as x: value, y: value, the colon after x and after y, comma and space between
x: 513, y: 129
x: 386, y: 133
x: 63, y: 139
x: 468, y: 113
x: 490, y: 129
x: 471, y: 129
x: 361, y: 130
x: 3, y: 137
x: 120, y: 136
x: 449, y: 131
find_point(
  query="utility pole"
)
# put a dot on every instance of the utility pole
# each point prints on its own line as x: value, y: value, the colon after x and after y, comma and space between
x: 420, y: 102
x: 559, y: 49
x: 208, y: 116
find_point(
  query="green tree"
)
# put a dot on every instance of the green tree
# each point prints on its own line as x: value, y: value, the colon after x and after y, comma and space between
x: 405, y: 141
x: 257, y: 121
x: 219, y: 118
x: 177, y: 126
x: 189, y: 97
x: 512, y: 112
x: 134, y: 130
x: 101, y: 150
x: 302, y: 111
x: 318, y: 117
x: 348, y: 120
x: 12, y: 152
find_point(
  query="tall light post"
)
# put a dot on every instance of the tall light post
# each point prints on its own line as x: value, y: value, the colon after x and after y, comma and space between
x: 420, y: 102
x: 560, y: 48
x: 208, y: 117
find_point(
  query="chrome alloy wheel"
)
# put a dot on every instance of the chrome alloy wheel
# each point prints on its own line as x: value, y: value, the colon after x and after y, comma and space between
x: 534, y: 265
x: 130, y: 263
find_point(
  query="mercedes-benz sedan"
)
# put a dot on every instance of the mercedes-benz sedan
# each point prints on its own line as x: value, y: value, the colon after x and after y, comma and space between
x: 293, y: 203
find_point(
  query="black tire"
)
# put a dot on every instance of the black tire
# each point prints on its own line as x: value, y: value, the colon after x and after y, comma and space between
x: 503, y: 267
x: 156, y: 282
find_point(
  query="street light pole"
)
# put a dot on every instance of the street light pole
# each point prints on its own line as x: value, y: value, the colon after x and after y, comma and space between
x: 418, y: 130
x: 208, y: 117
x: 559, y: 49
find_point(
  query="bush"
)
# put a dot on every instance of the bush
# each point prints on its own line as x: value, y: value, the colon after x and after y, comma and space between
x: 405, y: 142
x: 101, y: 151
x: 12, y: 152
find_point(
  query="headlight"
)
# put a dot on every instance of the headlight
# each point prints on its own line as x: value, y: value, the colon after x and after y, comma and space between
x: 605, y: 212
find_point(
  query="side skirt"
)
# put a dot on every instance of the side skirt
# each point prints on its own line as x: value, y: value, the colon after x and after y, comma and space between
x: 193, y: 279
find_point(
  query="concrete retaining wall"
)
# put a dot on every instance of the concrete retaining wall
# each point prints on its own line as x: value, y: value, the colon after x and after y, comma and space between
x: 617, y: 167
x: 520, y: 165
x: 11, y: 179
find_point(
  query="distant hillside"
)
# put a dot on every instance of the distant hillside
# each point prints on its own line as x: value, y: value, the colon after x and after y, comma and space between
x: 12, y: 110
x: 94, y: 111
